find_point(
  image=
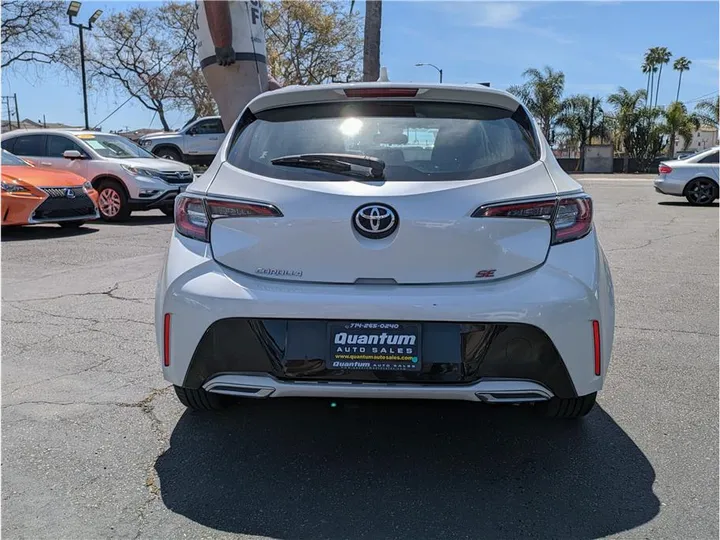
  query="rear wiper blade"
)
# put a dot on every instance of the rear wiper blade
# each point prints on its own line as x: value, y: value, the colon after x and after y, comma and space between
x: 338, y: 163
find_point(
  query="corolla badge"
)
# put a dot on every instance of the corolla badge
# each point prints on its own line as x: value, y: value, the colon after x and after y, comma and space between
x: 375, y: 220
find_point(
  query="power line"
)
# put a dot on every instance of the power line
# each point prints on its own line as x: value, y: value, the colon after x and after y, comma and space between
x: 700, y: 98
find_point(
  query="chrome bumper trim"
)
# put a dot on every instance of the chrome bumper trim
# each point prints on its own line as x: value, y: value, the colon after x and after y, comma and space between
x: 485, y: 390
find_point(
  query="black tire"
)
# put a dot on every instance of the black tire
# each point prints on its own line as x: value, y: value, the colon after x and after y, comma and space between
x: 569, y: 407
x: 123, y: 213
x: 200, y: 400
x: 169, y: 153
x: 169, y: 211
x: 701, y: 192
x: 71, y: 224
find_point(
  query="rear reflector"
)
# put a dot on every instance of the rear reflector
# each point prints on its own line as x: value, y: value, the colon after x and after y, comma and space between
x: 166, y: 340
x: 664, y: 169
x: 596, y: 343
x: 380, y: 92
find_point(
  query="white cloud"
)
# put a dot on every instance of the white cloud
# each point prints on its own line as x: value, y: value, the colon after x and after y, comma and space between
x: 496, y: 15
x: 712, y: 63
x: 500, y: 15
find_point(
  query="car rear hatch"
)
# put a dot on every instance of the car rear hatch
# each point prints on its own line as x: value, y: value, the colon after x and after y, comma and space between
x: 416, y: 225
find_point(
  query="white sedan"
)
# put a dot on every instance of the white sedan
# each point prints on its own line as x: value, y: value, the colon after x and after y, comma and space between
x: 378, y: 240
x: 695, y: 177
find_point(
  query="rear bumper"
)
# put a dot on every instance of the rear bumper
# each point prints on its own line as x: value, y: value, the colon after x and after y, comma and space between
x: 558, y: 300
x: 486, y: 390
x: 669, y: 186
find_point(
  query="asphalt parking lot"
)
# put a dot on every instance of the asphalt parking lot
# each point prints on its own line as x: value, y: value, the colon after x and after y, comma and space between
x: 96, y: 445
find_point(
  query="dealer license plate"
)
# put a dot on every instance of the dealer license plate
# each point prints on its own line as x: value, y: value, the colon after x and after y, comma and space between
x: 374, y: 346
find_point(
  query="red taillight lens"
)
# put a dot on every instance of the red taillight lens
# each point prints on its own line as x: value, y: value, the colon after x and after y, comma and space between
x: 191, y: 218
x: 570, y: 218
x: 573, y: 219
x: 166, y: 340
x: 664, y: 169
x: 596, y: 345
x: 380, y: 92
x: 193, y: 215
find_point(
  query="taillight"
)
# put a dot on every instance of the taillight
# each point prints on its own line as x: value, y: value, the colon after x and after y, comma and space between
x: 191, y: 219
x: 194, y: 215
x: 570, y: 218
x: 664, y: 169
x: 380, y: 92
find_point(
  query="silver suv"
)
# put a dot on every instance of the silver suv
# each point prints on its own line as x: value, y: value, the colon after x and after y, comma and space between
x: 126, y: 177
x: 196, y: 143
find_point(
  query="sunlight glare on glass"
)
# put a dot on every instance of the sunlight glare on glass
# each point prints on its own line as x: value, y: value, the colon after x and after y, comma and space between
x: 351, y: 127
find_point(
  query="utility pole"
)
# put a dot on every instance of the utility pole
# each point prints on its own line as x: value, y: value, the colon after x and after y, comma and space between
x: 371, y: 52
x: 7, y: 102
x: 17, y: 114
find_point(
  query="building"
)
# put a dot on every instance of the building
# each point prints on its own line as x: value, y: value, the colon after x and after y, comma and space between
x: 29, y: 124
x: 704, y: 138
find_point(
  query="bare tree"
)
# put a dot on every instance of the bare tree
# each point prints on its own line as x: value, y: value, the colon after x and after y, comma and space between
x: 371, y: 55
x: 135, y: 50
x: 31, y: 31
x: 189, y: 88
x: 312, y: 41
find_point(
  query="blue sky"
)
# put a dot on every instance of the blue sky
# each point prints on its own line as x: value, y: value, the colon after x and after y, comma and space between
x: 599, y: 45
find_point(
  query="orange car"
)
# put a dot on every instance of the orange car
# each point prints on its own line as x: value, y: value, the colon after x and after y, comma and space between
x: 32, y: 195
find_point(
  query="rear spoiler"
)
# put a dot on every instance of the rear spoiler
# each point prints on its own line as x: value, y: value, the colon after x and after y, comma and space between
x: 328, y: 93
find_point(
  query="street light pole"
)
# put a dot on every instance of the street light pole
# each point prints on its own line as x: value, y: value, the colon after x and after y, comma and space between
x: 72, y: 11
x: 440, y: 71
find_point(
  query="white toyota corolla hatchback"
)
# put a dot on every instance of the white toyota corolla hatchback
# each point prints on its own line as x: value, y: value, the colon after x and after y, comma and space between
x: 381, y: 240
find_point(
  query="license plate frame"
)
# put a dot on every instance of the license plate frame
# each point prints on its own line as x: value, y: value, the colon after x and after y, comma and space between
x: 400, y: 350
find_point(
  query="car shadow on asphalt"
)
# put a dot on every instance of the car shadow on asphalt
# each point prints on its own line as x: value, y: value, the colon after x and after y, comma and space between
x: 304, y: 470
x: 43, y: 232
x: 135, y: 220
x: 685, y: 203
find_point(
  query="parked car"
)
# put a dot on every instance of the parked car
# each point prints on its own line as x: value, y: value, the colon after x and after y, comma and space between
x: 321, y: 255
x: 33, y: 195
x: 695, y: 177
x: 125, y: 176
x: 196, y: 143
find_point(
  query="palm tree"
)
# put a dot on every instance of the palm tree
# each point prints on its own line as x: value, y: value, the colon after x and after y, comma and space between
x: 663, y: 57
x: 650, y: 63
x: 707, y: 112
x: 371, y: 54
x: 581, y: 118
x: 647, y: 68
x: 542, y: 94
x: 677, y: 121
x: 681, y: 64
x: 627, y: 106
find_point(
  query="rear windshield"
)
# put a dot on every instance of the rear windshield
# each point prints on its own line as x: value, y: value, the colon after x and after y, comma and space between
x: 417, y: 141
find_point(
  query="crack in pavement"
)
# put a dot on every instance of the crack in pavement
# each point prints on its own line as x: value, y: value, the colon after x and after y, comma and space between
x: 666, y: 330
x: 649, y: 242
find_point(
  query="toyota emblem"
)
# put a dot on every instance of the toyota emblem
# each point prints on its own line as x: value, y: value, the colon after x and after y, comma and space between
x: 375, y: 220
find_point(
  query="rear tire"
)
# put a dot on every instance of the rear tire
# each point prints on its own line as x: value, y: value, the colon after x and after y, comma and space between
x: 569, y: 407
x: 701, y: 192
x: 201, y: 400
x: 169, y: 153
x: 71, y: 224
